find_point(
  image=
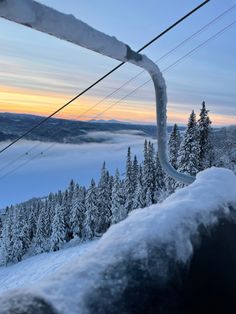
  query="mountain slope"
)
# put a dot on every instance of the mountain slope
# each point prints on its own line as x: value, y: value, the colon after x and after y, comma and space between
x: 138, y: 264
x: 65, y: 131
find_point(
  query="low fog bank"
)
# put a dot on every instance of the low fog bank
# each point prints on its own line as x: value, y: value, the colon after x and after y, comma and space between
x: 34, y: 169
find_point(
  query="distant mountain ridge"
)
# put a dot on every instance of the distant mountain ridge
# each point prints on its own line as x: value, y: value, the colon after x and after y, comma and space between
x: 58, y: 130
x: 107, y: 121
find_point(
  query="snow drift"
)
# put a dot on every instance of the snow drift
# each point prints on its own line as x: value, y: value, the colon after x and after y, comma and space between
x: 142, y: 264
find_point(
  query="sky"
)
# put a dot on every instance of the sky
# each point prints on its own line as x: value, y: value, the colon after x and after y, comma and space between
x: 39, y: 73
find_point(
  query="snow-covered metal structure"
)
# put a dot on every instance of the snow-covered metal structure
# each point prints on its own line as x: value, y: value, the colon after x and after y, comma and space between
x: 69, y: 28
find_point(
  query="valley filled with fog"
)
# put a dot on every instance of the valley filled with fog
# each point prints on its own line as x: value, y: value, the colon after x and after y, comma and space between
x: 45, y: 167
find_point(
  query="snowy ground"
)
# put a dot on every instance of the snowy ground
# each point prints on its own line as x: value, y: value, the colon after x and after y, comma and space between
x: 141, y: 251
x: 38, y: 267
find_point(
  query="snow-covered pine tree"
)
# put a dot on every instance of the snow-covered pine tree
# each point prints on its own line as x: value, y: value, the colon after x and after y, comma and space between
x: 118, y: 202
x: 7, y: 242
x: 24, y: 233
x: 149, y: 180
x: 40, y: 238
x: 139, y: 195
x: 58, y: 237
x: 188, y: 161
x: 103, y: 221
x: 135, y: 171
x: 78, y: 211
x: 25, y: 238
x: 109, y: 192
x: 59, y: 197
x: 71, y: 191
x: 205, y: 144
x: 17, y: 247
x: 66, y: 209
x: 51, y: 203
x: 174, y: 145
x: 32, y: 220
x: 160, y: 185
x: 46, y: 219
x: 129, y: 184
x: 91, y: 213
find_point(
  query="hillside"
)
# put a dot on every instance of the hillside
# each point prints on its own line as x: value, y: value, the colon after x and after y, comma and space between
x: 137, y: 261
x: 66, y: 131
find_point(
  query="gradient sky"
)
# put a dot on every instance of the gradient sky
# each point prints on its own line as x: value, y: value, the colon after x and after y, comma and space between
x: 38, y: 73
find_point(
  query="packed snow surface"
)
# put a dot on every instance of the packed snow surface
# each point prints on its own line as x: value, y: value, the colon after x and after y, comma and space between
x: 38, y: 267
x: 171, y: 225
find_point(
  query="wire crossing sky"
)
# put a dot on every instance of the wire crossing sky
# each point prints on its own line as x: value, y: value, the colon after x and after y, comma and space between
x: 190, y: 53
x: 103, y: 77
x: 39, y: 72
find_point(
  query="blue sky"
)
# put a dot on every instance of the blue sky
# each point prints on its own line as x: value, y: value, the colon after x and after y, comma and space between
x: 39, y: 72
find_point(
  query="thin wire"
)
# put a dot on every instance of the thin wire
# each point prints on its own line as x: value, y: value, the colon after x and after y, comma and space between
x: 26, y: 162
x: 205, y: 27
x: 12, y: 162
x: 190, y: 53
x: 169, y: 67
x: 158, y: 60
x: 102, y: 78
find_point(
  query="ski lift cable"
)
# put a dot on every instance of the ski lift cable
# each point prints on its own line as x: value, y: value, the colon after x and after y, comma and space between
x: 187, y: 55
x: 199, y: 31
x: 13, y: 17
x: 12, y: 162
x: 190, y: 53
x: 25, y: 162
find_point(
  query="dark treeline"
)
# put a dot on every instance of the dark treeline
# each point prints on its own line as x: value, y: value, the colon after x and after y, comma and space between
x: 43, y: 225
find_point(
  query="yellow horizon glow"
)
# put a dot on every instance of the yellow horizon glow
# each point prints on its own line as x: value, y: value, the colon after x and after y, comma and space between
x: 26, y: 101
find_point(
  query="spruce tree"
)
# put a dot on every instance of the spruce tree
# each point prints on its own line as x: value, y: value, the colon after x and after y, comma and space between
x: 66, y: 209
x: 135, y: 170
x: 149, y: 180
x: 174, y: 145
x: 7, y: 236
x: 205, y: 145
x: 188, y: 161
x: 17, y: 247
x: 129, y: 184
x: 78, y: 211
x: 118, y: 202
x: 58, y: 237
x: 160, y: 184
x: 103, y: 202
x: 92, y: 213
x: 140, y: 195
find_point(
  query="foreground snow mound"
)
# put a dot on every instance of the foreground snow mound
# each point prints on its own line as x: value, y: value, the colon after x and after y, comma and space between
x: 138, y: 265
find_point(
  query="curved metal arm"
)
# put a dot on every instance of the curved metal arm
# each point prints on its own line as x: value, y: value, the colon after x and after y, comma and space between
x: 67, y: 27
x: 161, y: 118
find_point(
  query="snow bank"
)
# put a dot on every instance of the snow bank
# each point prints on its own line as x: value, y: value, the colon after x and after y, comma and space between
x: 142, y: 251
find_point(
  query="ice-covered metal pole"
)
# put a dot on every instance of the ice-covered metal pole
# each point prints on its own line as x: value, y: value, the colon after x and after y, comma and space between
x: 47, y: 20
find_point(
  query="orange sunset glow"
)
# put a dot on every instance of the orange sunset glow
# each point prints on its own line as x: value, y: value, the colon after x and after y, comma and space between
x: 28, y: 101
